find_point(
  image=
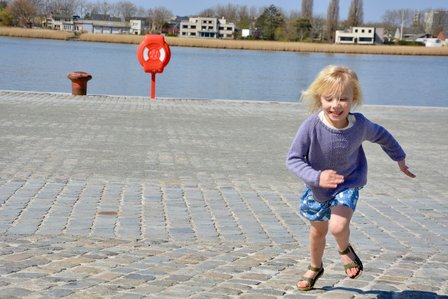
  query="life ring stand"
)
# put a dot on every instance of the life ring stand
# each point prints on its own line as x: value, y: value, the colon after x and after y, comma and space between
x: 153, y: 53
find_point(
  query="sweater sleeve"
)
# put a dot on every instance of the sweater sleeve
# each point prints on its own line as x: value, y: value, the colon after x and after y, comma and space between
x: 297, y: 159
x: 378, y: 134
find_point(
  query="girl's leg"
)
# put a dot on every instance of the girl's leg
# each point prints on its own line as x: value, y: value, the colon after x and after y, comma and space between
x: 318, y: 232
x: 340, y: 229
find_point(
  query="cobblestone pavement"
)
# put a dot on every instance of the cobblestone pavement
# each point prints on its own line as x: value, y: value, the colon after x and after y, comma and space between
x: 119, y: 197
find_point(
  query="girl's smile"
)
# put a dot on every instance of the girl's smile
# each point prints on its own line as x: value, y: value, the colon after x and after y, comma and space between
x: 336, y: 108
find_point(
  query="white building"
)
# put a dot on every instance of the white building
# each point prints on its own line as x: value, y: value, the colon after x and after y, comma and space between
x: 89, y: 26
x: 58, y: 23
x: 360, y: 35
x: 206, y: 27
x: 225, y: 30
x: 245, y: 33
x: 136, y: 27
x: 110, y: 27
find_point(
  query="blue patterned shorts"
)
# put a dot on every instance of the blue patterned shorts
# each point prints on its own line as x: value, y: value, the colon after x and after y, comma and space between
x: 316, y: 211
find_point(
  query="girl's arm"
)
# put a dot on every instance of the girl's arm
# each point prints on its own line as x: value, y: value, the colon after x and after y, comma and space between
x: 298, y: 165
x: 405, y: 169
x: 378, y: 134
x: 297, y: 161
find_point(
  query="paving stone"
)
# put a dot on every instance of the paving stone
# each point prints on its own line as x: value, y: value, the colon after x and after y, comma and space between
x: 121, y: 197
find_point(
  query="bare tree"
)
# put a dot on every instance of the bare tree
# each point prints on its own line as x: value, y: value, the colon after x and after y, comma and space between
x: 244, y: 18
x: 61, y: 7
x: 82, y: 8
x: 332, y: 20
x: 254, y: 12
x: 141, y: 12
x: 40, y: 5
x: 400, y: 18
x: 307, y: 9
x: 101, y: 7
x: 355, y: 14
x: 318, y: 25
x: 290, y: 28
x: 126, y: 9
x: 229, y: 12
x: 158, y: 17
x: 241, y: 15
x: 208, y: 13
x: 23, y: 12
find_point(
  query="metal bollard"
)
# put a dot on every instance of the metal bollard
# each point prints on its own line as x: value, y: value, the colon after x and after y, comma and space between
x: 79, y: 82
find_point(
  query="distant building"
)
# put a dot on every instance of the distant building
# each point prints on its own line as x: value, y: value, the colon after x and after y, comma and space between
x: 99, y: 27
x: 436, y: 21
x: 360, y: 35
x: 110, y: 27
x: 206, y: 27
x: 245, y: 33
x: 226, y: 30
x: 137, y: 27
x: 56, y: 22
x: 74, y: 24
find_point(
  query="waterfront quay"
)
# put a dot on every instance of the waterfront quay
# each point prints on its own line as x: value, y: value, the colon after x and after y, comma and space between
x: 126, y: 197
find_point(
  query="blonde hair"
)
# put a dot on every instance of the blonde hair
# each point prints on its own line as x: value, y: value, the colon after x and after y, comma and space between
x: 332, y: 80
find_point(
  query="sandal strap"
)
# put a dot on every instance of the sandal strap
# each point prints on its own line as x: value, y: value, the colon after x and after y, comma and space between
x: 312, y: 280
x: 351, y: 265
x: 346, y: 250
x: 314, y: 269
x: 356, y: 262
x: 308, y: 279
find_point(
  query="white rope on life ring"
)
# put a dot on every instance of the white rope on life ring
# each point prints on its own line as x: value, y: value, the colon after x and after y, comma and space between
x: 161, y: 57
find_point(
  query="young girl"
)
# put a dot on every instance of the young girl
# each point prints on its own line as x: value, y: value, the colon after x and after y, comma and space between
x: 327, y: 155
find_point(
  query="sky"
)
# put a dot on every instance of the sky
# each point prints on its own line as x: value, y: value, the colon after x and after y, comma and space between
x: 373, y: 9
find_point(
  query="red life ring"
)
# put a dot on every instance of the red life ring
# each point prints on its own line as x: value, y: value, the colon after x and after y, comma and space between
x: 153, y: 53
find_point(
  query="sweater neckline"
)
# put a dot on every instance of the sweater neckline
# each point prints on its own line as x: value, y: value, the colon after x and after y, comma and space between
x: 335, y: 130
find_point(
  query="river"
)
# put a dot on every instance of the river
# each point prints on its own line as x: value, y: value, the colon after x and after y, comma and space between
x: 197, y: 73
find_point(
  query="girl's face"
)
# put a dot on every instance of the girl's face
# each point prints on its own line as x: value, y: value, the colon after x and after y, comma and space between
x: 337, y: 107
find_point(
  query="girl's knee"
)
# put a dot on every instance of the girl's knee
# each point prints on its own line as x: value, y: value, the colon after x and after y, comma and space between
x: 340, y: 220
x: 338, y: 228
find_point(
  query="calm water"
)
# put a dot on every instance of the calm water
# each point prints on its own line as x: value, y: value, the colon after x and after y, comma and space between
x: 194, y: 73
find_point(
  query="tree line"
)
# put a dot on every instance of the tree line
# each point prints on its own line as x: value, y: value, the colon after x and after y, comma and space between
x: 269, y: 23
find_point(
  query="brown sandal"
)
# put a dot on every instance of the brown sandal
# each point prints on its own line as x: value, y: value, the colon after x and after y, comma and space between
x: 355, y: 264
x: 310, y: 280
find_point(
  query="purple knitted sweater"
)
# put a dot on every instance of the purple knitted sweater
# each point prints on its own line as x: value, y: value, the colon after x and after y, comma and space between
x: 317, y: 147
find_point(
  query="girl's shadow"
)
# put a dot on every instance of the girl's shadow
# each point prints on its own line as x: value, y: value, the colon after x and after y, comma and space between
x: 390, y: 294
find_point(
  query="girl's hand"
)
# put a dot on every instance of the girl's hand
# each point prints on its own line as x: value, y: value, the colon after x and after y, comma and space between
x: 405, y: 169
x: 330, y: 179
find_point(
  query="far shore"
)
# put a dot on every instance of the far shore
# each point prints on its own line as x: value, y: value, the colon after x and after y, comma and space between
x: 230, y: 44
